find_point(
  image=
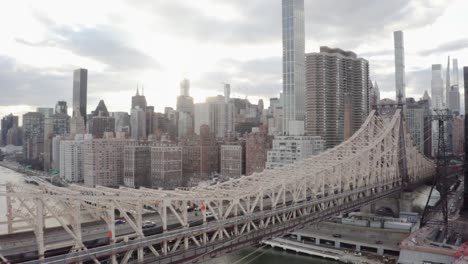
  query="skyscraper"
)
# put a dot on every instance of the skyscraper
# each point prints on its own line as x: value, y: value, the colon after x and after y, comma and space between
x: 7, y: 122
x: 438, y: 102
x: 453, y: 92
x: 71, y: 159
x: 293, y: 61
x: 418, y: 121
x: 289, y: 149
x: 14, y: 136
x: 437, y: 87
x: 100, y: 121
x: 137, y: 166
x: 337, y: 94
x: 139, y: 100
x: 185, y: 87
x: 80, y: 92
x: 184, y: 100
x: 185, y: 108
x: 374, y: 95
x: 46, y: 111
x: 200, y: 157
x: 447, y: 83
x: 257, y: 145
x: 61, y: 107
x: 103, y: 162
x: 61, y: 119
x: 122, y: 122
x: 33, y: 135
x: 138, y: 124
x: 166, y: 167
x: 232, y: 160
x: 217, y: 114
x: 185, y: 125
x: 400, y: 84
x: 465, y: 81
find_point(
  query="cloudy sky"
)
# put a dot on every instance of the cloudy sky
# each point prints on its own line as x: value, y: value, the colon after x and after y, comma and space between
x: 158, y: 42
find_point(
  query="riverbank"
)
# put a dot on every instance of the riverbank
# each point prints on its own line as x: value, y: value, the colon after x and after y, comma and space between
x: 15, y: 166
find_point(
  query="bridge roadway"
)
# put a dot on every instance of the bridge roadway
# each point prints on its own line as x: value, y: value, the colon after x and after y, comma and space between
x: 25, y: 242
x: 229, y: 244
x: 372, y: 164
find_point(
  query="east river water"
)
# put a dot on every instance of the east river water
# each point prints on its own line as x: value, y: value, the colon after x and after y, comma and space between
x: 267, y: 255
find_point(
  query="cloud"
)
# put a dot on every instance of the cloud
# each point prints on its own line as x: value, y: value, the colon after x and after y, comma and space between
x: 333, y: 22
x: 25, y: 85
x: 239, y: 25
x: 450, y: 46
x: 259, y: 22
x: 103, y: 43
x: 259, y: 77
x: 417, y: 81
x: 377, y: 53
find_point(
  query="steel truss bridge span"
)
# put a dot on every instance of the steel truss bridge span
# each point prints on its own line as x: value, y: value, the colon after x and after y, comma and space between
x: 377, y: 161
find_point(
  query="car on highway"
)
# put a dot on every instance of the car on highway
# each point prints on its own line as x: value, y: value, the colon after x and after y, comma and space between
x: 336, y: 235
x: 120, y: 222
x: 209, y: 215
x: 149, y: 224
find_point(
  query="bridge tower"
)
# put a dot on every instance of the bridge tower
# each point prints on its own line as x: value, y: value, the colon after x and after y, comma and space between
x: 440, y: 181
x: 390, y: 109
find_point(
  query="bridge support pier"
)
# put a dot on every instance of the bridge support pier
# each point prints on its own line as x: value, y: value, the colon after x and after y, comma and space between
x: 139, y: 220
x: 406, y: 201
x: 9, y: 210
x: 40, y: 228
x: 110, y: 220
x: 380, y: 251
x: 337, y: 244
x: 392, y: 203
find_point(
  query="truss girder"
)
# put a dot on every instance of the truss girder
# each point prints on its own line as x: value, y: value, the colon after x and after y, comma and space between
x: 364, y: 165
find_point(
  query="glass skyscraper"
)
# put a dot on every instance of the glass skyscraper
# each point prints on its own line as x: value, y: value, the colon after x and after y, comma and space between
x: 80, y: 91
x: 293, y: 61
x: 399, y: 67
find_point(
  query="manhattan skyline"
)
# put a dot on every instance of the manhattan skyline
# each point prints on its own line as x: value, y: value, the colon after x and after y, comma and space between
x: 123, y: 43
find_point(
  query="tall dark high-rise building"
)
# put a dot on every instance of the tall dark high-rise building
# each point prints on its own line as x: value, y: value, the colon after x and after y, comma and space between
x: 150, y: 124
x: 465, y: 78
x: 33, y: 135
x: 61, y: 107
x: 139, y: 101
x: 100, y: 121
x: 137, y: 166
x: 80, y: 92
x: 8, y: 122
x: 61, y: 124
